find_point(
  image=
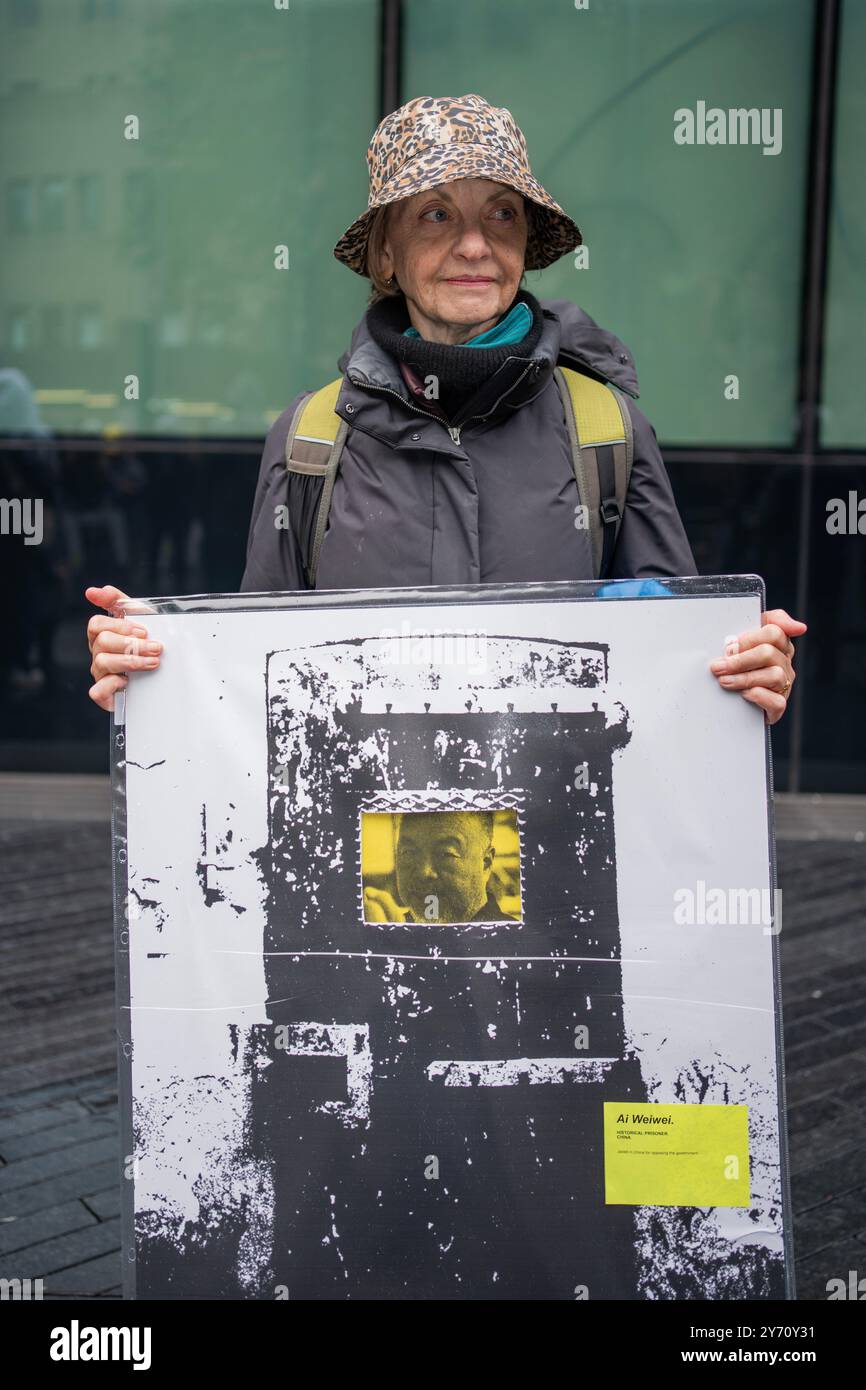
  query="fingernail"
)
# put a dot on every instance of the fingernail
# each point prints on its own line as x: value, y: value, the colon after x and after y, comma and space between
x: 718, y: 665
x: 153, y: 647
x: 140, y: 631
x: 726, y: 680
x: 151, y: 660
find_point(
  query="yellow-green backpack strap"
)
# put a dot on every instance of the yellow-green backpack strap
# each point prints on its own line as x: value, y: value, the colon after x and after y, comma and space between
x: 602, y: 448
x: 313, y: 446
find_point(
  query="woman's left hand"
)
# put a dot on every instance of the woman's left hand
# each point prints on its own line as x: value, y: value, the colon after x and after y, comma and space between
x: 759, y: 664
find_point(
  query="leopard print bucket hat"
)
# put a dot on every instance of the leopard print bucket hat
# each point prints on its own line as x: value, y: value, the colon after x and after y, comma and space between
x: 434, y: 140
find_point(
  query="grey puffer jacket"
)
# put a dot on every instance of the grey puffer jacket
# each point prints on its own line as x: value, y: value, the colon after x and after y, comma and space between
x: 492, y: 502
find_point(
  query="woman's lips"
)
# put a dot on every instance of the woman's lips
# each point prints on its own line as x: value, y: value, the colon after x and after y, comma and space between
x: 469, y: 280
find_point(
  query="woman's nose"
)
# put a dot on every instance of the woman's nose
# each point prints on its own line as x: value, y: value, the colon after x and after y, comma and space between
x: 472, y: 242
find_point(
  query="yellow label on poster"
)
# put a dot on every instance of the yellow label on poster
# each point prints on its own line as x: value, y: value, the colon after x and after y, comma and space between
x: 676, y: 1155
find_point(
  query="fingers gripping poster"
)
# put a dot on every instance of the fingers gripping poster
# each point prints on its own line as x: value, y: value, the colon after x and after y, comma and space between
x: 447, y: 949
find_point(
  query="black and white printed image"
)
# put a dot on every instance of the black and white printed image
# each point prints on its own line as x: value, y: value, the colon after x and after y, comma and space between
x: 421, y: 934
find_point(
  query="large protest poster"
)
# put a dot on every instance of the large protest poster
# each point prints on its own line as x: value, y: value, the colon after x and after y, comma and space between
x: 447, y: 949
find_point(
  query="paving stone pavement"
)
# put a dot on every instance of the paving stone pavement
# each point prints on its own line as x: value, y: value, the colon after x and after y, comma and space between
x: 59, y: 1152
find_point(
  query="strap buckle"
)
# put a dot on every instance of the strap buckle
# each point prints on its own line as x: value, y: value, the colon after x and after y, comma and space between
x: 610, y: 513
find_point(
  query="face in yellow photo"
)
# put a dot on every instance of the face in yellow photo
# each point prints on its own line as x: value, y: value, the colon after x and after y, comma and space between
x: 440, y: 866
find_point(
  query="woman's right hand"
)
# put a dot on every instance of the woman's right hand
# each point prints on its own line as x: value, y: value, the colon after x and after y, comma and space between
x: 117, y: 645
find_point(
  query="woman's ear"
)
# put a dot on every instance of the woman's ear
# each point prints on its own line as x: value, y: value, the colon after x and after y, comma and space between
x: 379, y: 255
x: 387, y: 259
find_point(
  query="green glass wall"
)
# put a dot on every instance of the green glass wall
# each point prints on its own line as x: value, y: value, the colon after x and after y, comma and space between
x: 154, y: 257
x: 843, y: 416
x: 695, y: 250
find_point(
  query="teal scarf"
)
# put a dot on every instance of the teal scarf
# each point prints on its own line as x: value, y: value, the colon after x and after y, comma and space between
x: 512, y: 329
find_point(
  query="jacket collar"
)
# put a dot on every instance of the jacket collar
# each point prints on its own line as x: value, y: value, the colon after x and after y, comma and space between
x: 569, y: 338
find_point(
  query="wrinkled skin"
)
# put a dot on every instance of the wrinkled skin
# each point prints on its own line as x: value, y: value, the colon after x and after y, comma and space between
x: 443, y: 865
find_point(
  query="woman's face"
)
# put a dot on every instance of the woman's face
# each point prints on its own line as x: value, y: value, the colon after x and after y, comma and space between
x: 458, y: 253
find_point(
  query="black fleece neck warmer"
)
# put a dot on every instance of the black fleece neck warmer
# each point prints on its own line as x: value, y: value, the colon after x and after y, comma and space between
x: 460, y: 371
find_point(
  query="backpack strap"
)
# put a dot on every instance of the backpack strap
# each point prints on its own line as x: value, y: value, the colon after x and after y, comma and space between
x: 599, y: 431
x: 313, y: 447
x: 602, y: 449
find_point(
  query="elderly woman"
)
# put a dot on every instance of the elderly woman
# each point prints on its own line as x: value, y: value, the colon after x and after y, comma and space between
x: 476, y: 434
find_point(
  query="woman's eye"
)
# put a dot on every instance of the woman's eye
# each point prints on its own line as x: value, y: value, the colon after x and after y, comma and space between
x: 503, y: 214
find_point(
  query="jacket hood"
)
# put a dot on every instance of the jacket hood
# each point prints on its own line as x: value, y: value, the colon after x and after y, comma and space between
x: 575, y: 339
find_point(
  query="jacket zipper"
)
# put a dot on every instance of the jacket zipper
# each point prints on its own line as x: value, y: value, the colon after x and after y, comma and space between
x: 453, y: 430
x: 388, y: 392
